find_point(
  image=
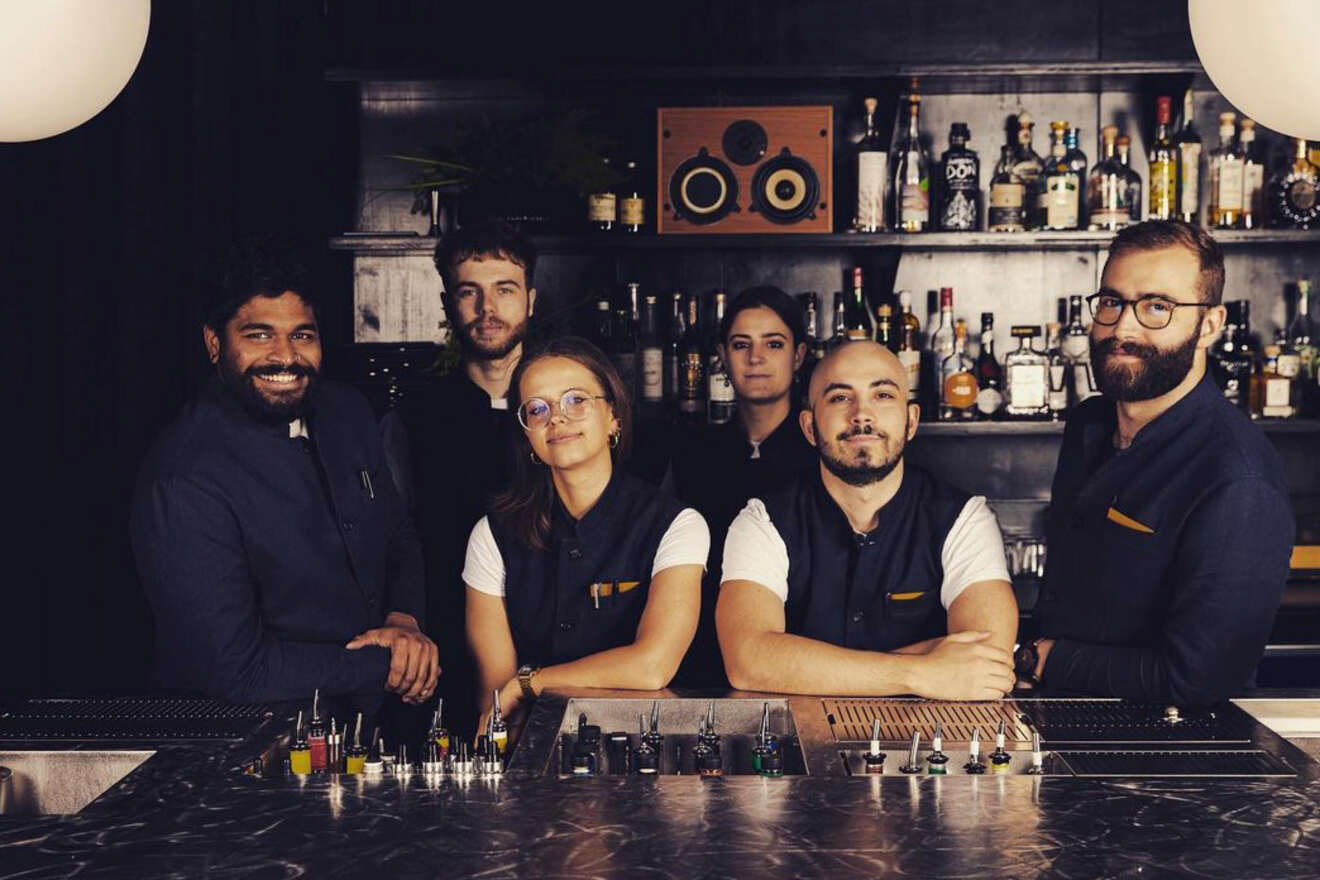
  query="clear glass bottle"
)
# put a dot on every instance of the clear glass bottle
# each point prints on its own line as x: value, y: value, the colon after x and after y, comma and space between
x: 1253, y: 177
x: 1106, y: 187
x: 1162, y: 164
x: 1056, y: 398
x: 1029, y: 168
x: 1304, y: 341
x: 1132, y: 180
x: 941, y: 341
x: 958, y: 380
x: 1295, y: 193
x: 1076, y: 347
x: 1226, y: 177
x: 720, y: 397
x: 960, y: 183
x: 1063, y: 184
x: 1007, y: 197
x: 872, y: 174
x: 909, y: 345
x: 860, y: 324
x: 1272, y: 392
x: 1026, y: 378
x: 911, y: 173
x: 1077, y: 161
x: 1187, y: 146
x: 989, y: 374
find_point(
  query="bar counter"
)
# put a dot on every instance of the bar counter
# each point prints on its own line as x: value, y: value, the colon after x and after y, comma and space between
x: 193, y: 810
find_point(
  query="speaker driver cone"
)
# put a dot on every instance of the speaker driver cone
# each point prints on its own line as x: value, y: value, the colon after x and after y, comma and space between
x: 785, y: 189
x: 703, y: 189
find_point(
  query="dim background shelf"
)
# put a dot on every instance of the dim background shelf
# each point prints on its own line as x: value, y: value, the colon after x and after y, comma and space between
x: 980, y: 429
x: 395, y: 245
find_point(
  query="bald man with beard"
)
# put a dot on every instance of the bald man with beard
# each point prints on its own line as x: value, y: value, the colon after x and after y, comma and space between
x: 865, y: 576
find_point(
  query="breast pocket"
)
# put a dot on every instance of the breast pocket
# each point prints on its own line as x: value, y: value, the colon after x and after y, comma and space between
x: 910, y: 604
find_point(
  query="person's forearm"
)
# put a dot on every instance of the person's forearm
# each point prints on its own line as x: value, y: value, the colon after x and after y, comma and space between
x: 285, y: 670
x: 791, y: 664
x: 918, y: 647
x: 630, y: 667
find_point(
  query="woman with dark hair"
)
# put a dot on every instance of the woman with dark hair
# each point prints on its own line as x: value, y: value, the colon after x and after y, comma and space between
x: 581, y: 576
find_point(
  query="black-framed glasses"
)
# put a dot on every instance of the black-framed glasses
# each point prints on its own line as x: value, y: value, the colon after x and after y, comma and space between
x: 535, y: 413
x: 1154, y: 312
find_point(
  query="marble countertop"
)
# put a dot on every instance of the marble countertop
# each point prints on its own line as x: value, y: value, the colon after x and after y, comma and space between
x: 191, y: 811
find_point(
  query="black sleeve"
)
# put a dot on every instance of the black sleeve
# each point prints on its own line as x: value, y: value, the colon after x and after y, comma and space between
x: 405, y: 582
x: 210, y: 634
x: 1229, y: 575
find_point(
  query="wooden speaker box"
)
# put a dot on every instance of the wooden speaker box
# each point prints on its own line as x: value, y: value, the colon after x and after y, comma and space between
x: 745, y: 169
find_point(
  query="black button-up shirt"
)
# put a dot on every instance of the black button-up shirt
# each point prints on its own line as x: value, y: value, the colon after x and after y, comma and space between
x: 1168, y: 559
x: 263, y: 554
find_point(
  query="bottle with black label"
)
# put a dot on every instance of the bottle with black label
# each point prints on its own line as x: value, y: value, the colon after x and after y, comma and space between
x: 960, y: 183
x: 1007, y: 194
x: 692, y: 367
x: 673, y: 350
x: 989, y: 374
x: 1234, y: 362
x: 721, y: 400
x: 1029, y: 168
x: 1295, y: 192
x: 632, y: 204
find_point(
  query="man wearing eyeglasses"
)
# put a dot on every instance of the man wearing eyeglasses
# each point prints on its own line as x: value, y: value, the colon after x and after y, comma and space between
x: 1169, y: 525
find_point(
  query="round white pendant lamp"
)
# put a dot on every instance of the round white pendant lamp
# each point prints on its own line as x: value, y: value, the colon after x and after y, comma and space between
x: 64, y: 61
x: 1261, y: 57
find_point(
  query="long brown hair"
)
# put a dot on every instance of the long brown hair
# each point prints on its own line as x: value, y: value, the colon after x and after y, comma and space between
x: 526, y: 506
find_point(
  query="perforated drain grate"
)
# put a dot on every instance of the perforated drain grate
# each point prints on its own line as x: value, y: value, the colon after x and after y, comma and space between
x: 1243, y: 762
x: 850, y: 720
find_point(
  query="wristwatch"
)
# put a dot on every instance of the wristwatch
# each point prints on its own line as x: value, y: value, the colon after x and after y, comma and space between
x: 525, y: 674
x: 1025, y: 661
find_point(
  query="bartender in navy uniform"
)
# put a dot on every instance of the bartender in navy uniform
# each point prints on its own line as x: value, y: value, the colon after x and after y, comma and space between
x: 273, y: 548
x: 582, y: 575
x: 865, y: 576
x: 1169, y: 528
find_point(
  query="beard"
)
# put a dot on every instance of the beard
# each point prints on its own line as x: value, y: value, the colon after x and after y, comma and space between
x: 268, y: 407
x: 1160, y: 369
x: 488, y: 351
x: 860, y: 470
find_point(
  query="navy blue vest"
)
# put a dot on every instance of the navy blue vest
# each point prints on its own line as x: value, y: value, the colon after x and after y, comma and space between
x: 874, y: 592
x: 549, y: 596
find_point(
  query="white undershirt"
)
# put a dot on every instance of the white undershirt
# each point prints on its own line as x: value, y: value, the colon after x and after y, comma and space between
x: 685, y: 542
x: 973, y: 551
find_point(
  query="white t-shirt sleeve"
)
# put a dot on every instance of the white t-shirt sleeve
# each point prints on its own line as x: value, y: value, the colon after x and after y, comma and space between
x: 973, y: 550
x: 483, y: 568
x: 685, y: 542
x: 755, y: 551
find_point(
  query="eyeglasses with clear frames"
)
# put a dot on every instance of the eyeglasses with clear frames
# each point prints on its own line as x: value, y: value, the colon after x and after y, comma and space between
x: 535, y: 413
x: 1154, y: 312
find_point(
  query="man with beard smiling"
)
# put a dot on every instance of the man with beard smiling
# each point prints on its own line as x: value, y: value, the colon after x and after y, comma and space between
x: 274, y: 551
x: 1169, y: 527
x: 847, y: 579
x: 460, y: 430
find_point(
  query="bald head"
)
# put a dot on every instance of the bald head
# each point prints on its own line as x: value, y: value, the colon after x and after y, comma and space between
x: 858, y: 366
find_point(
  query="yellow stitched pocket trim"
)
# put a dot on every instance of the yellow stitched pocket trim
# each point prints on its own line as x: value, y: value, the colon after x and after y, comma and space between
x: 1306, y: 556
x: 606, y: 588
x: 1128, y: 522
x: 905, y: 597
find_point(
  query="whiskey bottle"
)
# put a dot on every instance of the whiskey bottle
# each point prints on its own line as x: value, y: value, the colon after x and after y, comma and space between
x: 909, y: 345
x: 1007, y: 194
x: 941, y: 341
x: 1106, y: 187
x: 960, y: 183
x: 859, y: 323
x: 632, y: 204
x: 1131, y: 179
x: 1226, y: 177
x: 1076, y: 347
x: 957, y: 380
x: 652, y: 355
x: 912, y: 173
x: 1305, y: 344
x: 1162, y: 164
x: 1272, y: 396
x: 673, y: 350
x: 692, y: 367
x: 604, y: 325
x: 1026, y: 378
x: 989, y: 375
x: 721, y: 401
x: 1057, y: 395
x: 815, y: 348
x: 838, y: 322
x: 884, y: 327
x: 1187, y: 147
x: 1029, y: 168
x: 1077, y: 161
x: 623, y: 341
x: 1253, y: 178
x: 1295, y: 194
x: 1232, y: 357
x: 602, y: 205
x: 872, y: 171
x: 1063, y: 185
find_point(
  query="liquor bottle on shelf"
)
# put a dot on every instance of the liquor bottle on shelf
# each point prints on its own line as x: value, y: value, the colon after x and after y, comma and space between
x: 1225, y: 177
x: 909, y: 345
x: 941, y: 341
x: 1057, y: 396
x: 1076, y: 347
x: 1005, y: 213
x: 989, y: 375
x: 1295, y: 193
x: 872, y: 175
x: 604, y: 325
x: 1232, y: 357
x: 602, y: 205
x: 1077, y: 161
x: 911, y: 173
x: 673, y: 350
x: 1162, y: 164
x: 1272, y: 392
x: 859, y: 322
x: 720, y: 397
x: 884, y: 327
x: 623, y: 342
x: 1253, y: 177
x: 1187, y: 148
x: 1106, y: 187
x: 1029, y: 168
x: 1063, y: 183
x: 815, y: 346
x: 692, y: 366
x: 1026, y: 378
x: 651, y: 351
x: 1305, y: 343
x: 1132, y: 180
x: 958, y: 388
x: 960, y: 183
x: 838, y: 322
x: 632, y: 204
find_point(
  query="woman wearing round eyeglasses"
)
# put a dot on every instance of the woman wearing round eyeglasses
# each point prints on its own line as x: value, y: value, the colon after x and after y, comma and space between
x: 581, y: 576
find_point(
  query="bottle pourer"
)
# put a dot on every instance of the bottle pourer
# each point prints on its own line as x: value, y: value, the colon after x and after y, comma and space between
x: 1037, y: 767
x: 937, y: 759
x: 1000, y: 758
x: 493, y: 767
x: 653, y: 737
x: 497, y: 731
x: 462, y: 764
x: 431, y: 764
x: 875, y: 758
x: 401, y: 765
x: 974, y: 766
x: 646, y: 759
x: 913, y: 764
x: 373, y: 766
